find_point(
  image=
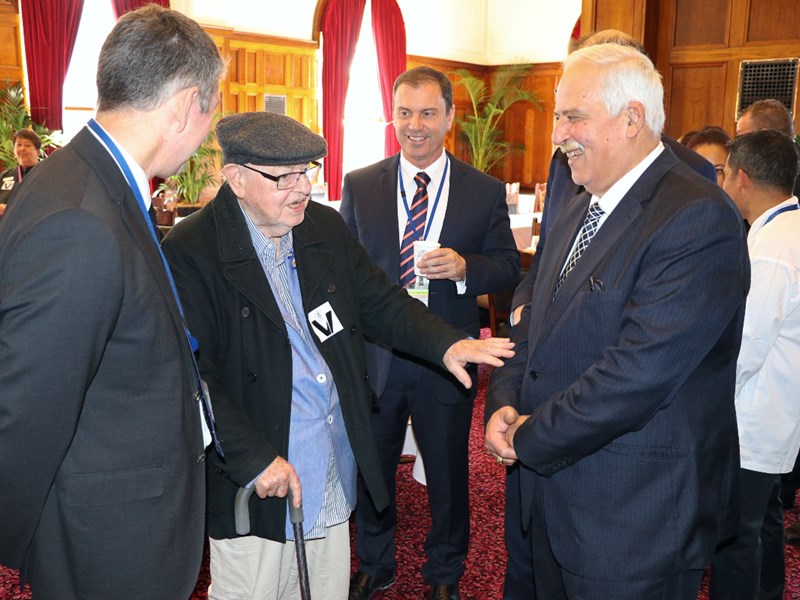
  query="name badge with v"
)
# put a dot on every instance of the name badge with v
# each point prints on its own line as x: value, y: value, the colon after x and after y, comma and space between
x: 324, y: 322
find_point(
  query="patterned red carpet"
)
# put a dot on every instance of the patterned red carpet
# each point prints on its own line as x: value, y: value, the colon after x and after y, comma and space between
x: 486, y: 560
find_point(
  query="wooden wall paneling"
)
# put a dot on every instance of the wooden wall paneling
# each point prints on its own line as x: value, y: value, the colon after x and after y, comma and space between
x: 625, y: 15
x: 771, y: 20
x: 702, y: 23
x: 11, y: 70
x: 260, y: 65
x: 697, y: 97
x: 738, y: 23
x: 531, y: 129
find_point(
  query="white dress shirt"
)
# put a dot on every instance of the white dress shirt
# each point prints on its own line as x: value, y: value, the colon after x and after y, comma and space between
x: 768, y: 369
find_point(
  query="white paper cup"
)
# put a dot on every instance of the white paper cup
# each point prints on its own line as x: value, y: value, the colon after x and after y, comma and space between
x: 421, y: 247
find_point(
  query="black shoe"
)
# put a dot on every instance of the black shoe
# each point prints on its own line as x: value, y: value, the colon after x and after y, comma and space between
x: 364, y: 587
x: 444, y: 592
x: 792, y: 533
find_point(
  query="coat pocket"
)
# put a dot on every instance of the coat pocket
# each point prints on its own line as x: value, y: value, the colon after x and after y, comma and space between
x: 115, y: 487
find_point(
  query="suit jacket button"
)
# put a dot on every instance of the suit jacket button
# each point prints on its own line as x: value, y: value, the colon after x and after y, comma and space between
x: 252, y: 377
x: 534, y: 375
x: 353, y: 330
x: 331, y: 288
x: 201, y: 458
x: 245, y: 312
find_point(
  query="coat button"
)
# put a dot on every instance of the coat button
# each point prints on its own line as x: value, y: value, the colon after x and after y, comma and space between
x: 353, y: 330
x: 534, y: 375
x: 245, y: 312
x: 252, y: 377
x: 366, y: 377
x: 331, y: 288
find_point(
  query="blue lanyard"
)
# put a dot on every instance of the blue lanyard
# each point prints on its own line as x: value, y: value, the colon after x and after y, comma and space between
x: 782, y: 210
x: 126, y: 171
x: 435, y: 202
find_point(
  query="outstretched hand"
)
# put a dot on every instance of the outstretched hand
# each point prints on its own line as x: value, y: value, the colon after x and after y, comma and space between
x: 480, y: 352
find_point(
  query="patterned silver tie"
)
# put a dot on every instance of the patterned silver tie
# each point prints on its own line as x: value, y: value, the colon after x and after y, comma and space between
x: 590, y: 227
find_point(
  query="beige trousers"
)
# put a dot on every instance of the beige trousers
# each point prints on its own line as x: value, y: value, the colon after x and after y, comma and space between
x: 258, y: 569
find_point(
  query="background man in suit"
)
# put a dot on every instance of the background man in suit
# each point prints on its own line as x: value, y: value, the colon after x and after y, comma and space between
x: 280, y: 297
x: 619, y: 402
x: 101, y: 446
x: 761, y: 170
x: 467, y: 214
x: 560, y: 189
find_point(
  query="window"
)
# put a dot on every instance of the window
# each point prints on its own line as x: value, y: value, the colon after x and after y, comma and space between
x: 80, y: 87
x: 364, y: 124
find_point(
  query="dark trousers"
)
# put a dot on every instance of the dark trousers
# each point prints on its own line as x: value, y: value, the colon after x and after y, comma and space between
x: 442, y: 434
x: 519, y: 583
x: 554, y: 583
x: 751, y: 565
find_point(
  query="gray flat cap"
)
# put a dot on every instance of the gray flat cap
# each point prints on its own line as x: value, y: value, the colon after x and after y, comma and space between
x: 264, y: 138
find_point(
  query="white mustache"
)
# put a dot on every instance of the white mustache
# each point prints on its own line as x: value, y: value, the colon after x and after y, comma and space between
x: 569, y: 146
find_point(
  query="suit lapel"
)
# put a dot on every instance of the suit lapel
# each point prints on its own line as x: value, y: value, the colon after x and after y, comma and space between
x: 240, y: 264
x: 619, y: 222
x: 385, y: 217
x: 454, y: 215
x: 557, y: 246
x: 131, y: 215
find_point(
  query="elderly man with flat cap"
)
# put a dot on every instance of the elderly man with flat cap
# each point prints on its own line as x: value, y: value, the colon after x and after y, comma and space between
x: 280, y: 296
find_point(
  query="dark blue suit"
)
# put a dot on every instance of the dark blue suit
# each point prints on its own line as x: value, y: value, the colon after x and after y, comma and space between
x: 476, y: 226
x: 632, y: 436
x: 560, y: 189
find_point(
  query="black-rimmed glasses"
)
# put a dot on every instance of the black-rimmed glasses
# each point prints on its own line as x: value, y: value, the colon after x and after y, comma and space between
x: 288, y: 180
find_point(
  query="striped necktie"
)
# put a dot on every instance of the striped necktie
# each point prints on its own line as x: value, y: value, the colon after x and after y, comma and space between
x: 415, y: 227
x: 590, y: 226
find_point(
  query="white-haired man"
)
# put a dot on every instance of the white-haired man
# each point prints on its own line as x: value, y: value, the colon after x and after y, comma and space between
x: 619, y: 402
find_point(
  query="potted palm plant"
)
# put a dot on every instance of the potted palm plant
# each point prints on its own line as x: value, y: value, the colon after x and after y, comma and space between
x: 481, y: 128
x: 199, y: 173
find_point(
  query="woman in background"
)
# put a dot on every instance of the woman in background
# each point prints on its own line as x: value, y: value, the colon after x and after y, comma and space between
x: 27, y: 145
x: 712, y: 144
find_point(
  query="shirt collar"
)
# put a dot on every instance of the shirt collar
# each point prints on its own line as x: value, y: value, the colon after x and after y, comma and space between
x: 138, y: 173
x: 268, y: 251
x: 765, y: 216
x: 617, y: 192
x: 433, y: 170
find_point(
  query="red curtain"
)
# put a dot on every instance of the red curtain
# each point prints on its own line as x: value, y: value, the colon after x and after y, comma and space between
x: 50, y: 28
x: 123, y: 6
x: 389, y: 31
x: 341, y: 23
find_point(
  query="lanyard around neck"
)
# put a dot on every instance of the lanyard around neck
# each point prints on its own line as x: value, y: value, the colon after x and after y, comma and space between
x: 431, y: 213
x: 782, y: 210
x: 191, y: 340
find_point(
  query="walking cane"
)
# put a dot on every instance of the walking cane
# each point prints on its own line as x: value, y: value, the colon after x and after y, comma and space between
x: 242, y: 520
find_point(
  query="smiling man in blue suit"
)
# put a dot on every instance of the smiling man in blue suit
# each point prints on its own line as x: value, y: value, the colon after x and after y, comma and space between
x: 619, y: 403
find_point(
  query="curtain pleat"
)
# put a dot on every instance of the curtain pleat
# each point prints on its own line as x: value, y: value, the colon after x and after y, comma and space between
x: 341, y: 23
x: 389, y: 32
x: 50, y: 28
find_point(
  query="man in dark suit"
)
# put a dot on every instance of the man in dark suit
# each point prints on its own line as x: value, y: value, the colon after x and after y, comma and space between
x: 101, y: 444
x: 619, y: 402
x: 560, y: 189
x: 468, y: 216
